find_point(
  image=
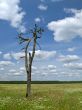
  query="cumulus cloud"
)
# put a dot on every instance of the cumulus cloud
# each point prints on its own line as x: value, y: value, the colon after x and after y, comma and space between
x: 68, y: 58
x: 34, y: 68
x: 39, y: 54
x: 68, y: 28
x: 17, y: 55
x: 44, y: 54
x: 12, y: 12
x: 51, y: 66
x: 37, y: 20
x: 12, y: 70
x: 6, y: 63
x: 7, y: 56
x: 17, y: 74
x: 22, y: 68
x: 77, y: 66
x: 70, y: 74
x: 42, y: 7
x: 71, y: 10
x: 44, y: 73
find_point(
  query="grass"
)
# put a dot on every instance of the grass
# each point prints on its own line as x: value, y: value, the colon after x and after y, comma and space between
x: 44, y: 97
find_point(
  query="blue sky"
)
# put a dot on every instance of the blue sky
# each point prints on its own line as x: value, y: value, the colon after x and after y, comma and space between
x: 60, y: 57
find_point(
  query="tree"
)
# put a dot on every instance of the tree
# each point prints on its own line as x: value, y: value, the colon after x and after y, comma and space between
x: 29, y: 56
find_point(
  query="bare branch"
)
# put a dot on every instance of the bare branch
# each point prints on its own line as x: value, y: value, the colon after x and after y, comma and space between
x: 34, y: 47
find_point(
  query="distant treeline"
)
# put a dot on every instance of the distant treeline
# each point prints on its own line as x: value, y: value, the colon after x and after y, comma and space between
x: 40, y: 82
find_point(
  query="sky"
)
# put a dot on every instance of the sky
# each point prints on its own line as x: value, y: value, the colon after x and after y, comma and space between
x: 60, y: 56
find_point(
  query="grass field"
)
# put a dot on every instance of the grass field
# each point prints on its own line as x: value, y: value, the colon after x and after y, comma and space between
x: 44, y: 97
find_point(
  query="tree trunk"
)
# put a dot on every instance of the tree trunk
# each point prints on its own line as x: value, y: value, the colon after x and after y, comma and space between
x: 28, y: 92
x: 36, y: 32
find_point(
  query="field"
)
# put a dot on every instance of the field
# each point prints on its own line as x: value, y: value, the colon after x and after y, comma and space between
x: 44, y: 97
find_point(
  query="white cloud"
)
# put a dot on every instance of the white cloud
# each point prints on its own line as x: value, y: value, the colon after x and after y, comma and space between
x: 73, y: 75
x: 6, y: 63
x: 17, y: 55
x: 42, y: 7
x: 12, y: 70
x: 71, y: 49
x: 44, y: 54
x: 39, y: 54
x: 22, y: 68
x: 37, y: 19
x: 7, y: 56
x: 17, y: 74
x: 53, y: 70
x: 77, y: 66
x: 68, y: 58
x: 12, y: 12
x: 44, y: 73
x: 73, y: 11
x: 51, y: 67
x: 70, y: 74
x: 34, y: 68
x: 68, y: 28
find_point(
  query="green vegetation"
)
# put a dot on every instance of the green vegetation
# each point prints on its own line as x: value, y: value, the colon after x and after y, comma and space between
x: 44, y: 97
x: 40, y: 82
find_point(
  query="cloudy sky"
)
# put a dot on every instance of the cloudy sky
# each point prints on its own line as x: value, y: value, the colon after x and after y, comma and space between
x: 60, y: 57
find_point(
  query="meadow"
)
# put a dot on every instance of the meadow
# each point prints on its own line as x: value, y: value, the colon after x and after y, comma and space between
x: 44, y: 97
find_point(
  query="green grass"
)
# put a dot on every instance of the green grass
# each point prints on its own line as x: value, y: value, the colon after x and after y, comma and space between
x: 44, y: 97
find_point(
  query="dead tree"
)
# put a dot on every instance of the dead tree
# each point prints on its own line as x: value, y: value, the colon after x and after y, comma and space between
x: 29, y: 55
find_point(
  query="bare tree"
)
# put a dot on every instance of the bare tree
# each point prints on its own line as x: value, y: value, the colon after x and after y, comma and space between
x: 29, y: 56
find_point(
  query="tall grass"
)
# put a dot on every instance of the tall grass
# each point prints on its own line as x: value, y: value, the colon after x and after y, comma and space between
x: 44, y: 97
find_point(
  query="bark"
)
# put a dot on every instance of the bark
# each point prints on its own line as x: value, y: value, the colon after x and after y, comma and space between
x: 28, y: 92
x: 28, y: 65
x: 29, y: 58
